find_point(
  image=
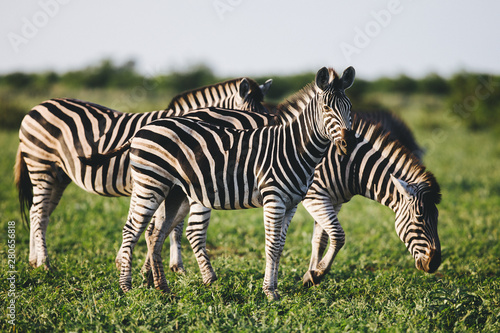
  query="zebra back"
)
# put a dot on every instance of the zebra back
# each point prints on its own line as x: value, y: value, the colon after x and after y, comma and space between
x: 55, y: 134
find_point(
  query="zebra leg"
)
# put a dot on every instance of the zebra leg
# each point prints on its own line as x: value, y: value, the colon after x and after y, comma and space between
x: 319, y: 242
x: 175, y: 209
x: 274, y: 214
x: 284, y: 230
x: 146, y: 272
x: 43, y: 186
x: 325, y: 215
x: 176, y: 264
x: 119, y: 255
x: 49, y: 183
x: 143, y: 204
x: 146, y: 268
x: 196, y: 233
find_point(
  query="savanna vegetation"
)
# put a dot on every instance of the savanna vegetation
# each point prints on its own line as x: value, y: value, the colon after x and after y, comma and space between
x: 373, y: 285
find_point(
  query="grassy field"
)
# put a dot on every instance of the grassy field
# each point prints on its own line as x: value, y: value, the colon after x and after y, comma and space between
x: 373, y: 285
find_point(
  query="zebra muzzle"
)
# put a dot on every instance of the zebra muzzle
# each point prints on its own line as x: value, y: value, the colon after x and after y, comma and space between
x: 429, y: 262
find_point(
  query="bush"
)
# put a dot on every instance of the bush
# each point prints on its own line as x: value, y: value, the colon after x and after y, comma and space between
x: 11, y: 113
x: 104, y: 75
x: 433, y: 84
x: 475, y: 99
x: 197, y: 76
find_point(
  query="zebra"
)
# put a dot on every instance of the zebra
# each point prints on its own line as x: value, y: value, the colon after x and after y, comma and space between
x: 55, y: 133
x: 327, y: 194
x: 224, y: 168
x: 384, y: 170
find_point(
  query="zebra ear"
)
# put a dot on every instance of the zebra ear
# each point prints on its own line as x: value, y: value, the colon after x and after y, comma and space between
x: 322, y: 78
x: 403, y: 187
x: 244, y: 88
x: 265, y: 87
x: 348, y: 77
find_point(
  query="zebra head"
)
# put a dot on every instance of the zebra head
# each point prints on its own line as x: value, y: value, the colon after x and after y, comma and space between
x: 417, y: 219
x: 337, y: 107
x: 251, y: 95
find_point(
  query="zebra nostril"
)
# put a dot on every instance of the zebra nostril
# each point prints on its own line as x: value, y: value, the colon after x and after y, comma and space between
x: 429, y: 262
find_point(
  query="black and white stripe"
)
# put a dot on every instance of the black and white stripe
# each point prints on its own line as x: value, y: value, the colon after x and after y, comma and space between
x: 222, y: 168
x: 57, y: 132
x: 383, y: 170
x: 327, y: 194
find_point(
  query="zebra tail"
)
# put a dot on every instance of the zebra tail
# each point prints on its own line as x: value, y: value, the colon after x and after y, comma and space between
x: 24, y: 187
x: 97, y: 160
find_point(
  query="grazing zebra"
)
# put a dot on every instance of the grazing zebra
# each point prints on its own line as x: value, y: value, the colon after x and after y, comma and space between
x: 327, y: 194
x: 222, y: 168
x: 383, y: 170
x: 57, y: 132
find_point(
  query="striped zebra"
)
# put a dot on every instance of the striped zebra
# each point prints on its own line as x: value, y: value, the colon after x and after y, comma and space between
x: 57, y: 132
x: 384, y: 170
x: 222, y: 168
x: 327, y: 194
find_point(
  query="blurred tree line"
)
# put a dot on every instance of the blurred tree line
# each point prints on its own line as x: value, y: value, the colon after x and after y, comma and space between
x: 473, y: 98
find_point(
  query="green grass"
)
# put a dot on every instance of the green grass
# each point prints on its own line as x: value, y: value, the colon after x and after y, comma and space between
x: 373, y: 285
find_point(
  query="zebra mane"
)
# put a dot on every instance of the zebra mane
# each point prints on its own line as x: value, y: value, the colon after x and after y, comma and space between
x: 381, y: 141
x: 234, y: 83
x: 292, y: 105
x: 101, y: 108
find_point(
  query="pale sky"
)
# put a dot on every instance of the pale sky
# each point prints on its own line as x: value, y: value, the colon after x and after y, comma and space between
x: 254, y: 37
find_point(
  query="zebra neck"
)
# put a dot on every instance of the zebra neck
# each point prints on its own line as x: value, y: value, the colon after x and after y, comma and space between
x: 293, y: 107
x: 221, y: 94
x: 307, y: 132
x: 367, y: 173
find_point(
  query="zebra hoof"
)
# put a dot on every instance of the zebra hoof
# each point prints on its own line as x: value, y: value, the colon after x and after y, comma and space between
x: 311, y: 279
x: 45, y: 264
x: 125, y: 288
x: 164, y: 288
x: 208, y: 281
x: 178, y: 269
x: 272, y: 295
x: 33, y: 263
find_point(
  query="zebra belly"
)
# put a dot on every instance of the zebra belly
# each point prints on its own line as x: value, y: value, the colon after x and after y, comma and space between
x: 230, y: 200
x: 112, y: 179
